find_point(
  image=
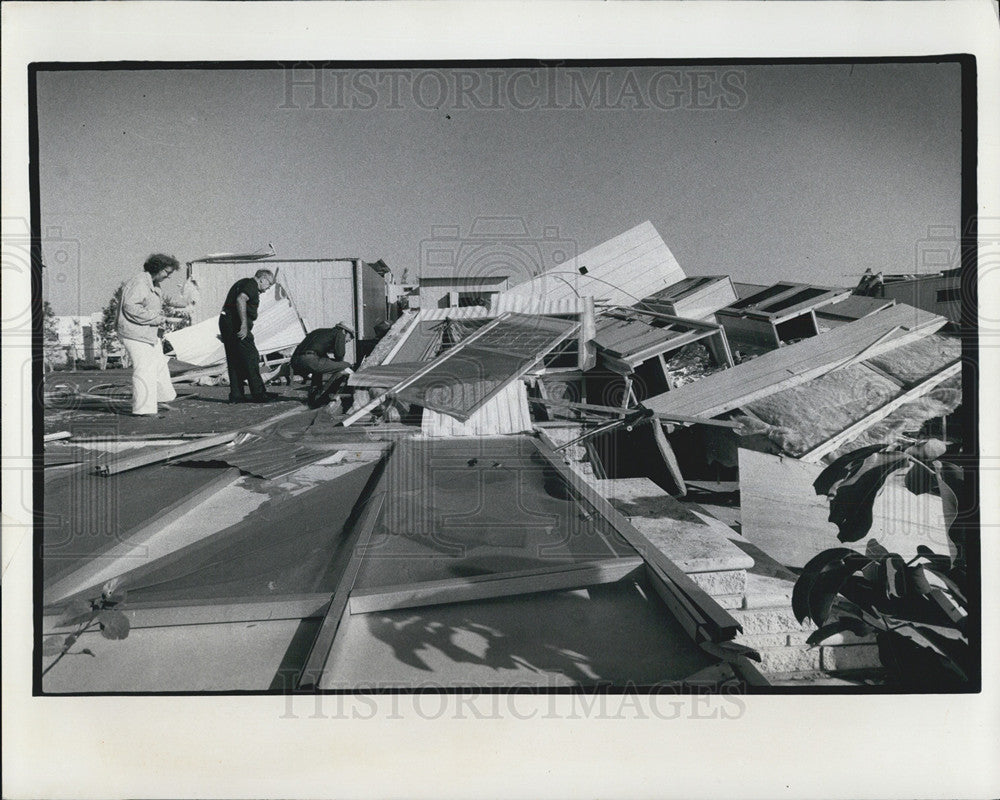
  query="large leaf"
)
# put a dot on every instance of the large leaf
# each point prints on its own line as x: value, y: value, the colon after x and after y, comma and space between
x: 842, y: 468
x: 896, y: 584
x: 828, y: 585
x: 840, y: 625
x: 77, y: 612
x: 114, y: 624
x: 52, y: 645
x: 804, y: 583
x: 851, y: 503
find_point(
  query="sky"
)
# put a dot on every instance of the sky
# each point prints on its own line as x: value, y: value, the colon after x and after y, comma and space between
x: 783, y: 172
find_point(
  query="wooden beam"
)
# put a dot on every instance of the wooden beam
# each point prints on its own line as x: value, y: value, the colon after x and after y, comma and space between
x: 693, y: 323
x: 83, y: 578
x: 355, y: 546
x: 719, y: 423
x: 718, y: 624
x: 372, y: 404
x: 200, y: 612
x: 880, y: 413
x: 127, y: 462
x: 485, y: 587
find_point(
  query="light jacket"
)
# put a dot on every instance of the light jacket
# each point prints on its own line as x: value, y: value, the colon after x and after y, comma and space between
x: 140, y: 312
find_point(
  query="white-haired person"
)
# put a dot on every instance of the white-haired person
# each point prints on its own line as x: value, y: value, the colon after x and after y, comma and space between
x: 236, y: 330
x: 140, y: 318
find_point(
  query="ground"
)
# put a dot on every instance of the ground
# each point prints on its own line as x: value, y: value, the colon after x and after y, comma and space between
x: 197, y: 409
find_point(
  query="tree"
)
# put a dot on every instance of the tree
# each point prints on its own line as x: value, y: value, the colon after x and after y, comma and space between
x: 50, y: 336
x: 107, y: 329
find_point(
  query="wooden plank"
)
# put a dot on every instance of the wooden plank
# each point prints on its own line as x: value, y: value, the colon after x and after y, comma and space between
x: 880, y: 413
x: 82, y: 578
x: 718, y: 423
x: 152, y: 615
x: 719, y: 624
x: 353, y: 417
x: 360, y: 536
x: 797, y: 363
x: 164, y: 454
x: 484, y: 587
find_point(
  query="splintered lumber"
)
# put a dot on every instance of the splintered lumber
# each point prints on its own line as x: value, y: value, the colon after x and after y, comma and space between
x: 880, y: 413
x: 797, y: 363
x: 53, y: 437
x: 355, y: 546
x: 484, y: 587
x: 698, y: 612
x: 81, y: 581
x: 668, y: 417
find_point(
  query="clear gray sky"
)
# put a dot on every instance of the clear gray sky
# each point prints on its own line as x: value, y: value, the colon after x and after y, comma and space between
x: 805, y: 172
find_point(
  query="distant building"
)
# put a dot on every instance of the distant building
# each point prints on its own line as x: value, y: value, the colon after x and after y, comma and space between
x: 940, y: 293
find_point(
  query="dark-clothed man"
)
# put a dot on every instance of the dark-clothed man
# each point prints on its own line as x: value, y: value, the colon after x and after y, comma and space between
x: 312, y: 358
x: 236, y: 327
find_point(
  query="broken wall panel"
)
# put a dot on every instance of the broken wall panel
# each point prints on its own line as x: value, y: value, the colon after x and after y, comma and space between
x: 620, y: 271
x: 797, y: 363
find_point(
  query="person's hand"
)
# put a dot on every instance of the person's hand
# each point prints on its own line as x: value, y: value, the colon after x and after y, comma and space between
x: 244, y: 332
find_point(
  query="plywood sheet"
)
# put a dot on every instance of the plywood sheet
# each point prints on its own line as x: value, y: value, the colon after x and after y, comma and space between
x: 781, y: 513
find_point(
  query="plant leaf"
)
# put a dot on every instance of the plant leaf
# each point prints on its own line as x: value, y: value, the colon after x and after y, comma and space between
x: 52, y: 645
x: 841, y: 468
x: 851, y: 505
x: 76, y: 612
x: 930, y: 450
x: 87, y: 652
x: 874, y: 550
x: 895, y: 576
x: 840, y: 625
x: 805, y: 581
x: 827, y: 586
x: 114, y: 624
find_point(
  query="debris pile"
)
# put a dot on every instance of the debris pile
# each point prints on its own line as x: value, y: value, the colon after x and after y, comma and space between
x: 481, y: 453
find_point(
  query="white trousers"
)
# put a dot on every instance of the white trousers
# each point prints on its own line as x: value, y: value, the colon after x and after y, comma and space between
x: 150, y: 376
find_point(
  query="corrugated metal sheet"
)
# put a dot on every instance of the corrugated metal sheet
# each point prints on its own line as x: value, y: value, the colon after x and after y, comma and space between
x: 460, y: 312
x: 507, y: 412
x: 621, y: 271
x: 796, y: 363
x: 559, y: 306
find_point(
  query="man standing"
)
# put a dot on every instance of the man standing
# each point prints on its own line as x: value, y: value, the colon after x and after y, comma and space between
x: 311, y: 357
x: 140, y: 315
x: 236, y: 328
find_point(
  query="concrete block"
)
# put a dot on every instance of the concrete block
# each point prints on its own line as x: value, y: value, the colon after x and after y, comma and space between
x: 767, y: 620
x: 733, y: 581
x: 862, y: 656
x: 768, y: 591
x: 788, y: 659
x: 759, y: 640
x: 729, y: 601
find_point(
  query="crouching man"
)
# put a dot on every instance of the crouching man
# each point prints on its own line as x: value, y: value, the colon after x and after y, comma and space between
x: 312, y: 359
